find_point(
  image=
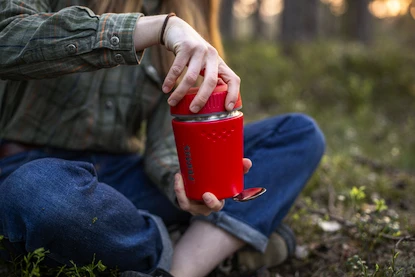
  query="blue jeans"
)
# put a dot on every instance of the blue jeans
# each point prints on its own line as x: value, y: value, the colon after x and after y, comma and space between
x: 77, y: 204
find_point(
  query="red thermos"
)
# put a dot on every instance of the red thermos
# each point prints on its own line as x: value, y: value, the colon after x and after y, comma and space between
x: 210, y: 147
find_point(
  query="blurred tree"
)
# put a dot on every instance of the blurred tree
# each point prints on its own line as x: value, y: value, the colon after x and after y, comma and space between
x: 259, y: 26
x: 226, y: 19
x: 299, y: 21
x: 404, y: 26
x: 358, y: 21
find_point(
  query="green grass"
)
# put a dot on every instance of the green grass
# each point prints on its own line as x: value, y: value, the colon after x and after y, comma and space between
x: 32, y: 265
x: 363, y: 99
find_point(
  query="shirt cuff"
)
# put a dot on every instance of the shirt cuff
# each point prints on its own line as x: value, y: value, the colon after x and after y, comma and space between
x: 168, y: 184
x: 115, y: 33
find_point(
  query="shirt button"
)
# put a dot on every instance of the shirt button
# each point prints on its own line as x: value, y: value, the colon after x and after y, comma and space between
x: 109, y: 105
x: 71, y: 48
x: 119, y: 58
x: 115, y: 40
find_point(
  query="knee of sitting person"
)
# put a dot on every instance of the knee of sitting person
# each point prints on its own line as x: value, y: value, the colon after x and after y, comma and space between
x: 314, y: 136
x: 307, y: 127
x: 42, y: 182
x: 317, y: 137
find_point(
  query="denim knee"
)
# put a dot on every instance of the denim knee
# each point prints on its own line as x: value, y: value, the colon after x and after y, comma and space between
x: 36, y: 187
x: 61, y: 206
x: 309, y: 131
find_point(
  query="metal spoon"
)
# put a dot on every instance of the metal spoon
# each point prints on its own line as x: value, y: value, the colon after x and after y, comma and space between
x: 249, y: 194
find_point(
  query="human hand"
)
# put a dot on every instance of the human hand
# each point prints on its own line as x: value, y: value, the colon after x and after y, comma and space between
x: 191, y: 52
x: 209, y: 204
x: 195, y: 53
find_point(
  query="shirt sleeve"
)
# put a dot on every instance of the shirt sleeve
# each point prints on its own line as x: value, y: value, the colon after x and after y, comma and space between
x: 36, y: 43
x: 160, y: 158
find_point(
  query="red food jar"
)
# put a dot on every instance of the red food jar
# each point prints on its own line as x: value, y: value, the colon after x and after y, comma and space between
x: 210, y: 147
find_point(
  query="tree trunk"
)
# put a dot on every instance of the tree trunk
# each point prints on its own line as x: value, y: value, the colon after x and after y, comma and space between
x: 226, y: 20
x: 299, y: 20
x: 259, y: 26
x: 358, y: 21
x: 310, y: 19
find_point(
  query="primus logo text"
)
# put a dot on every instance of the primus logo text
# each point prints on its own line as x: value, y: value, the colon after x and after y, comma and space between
x: 189, y: 165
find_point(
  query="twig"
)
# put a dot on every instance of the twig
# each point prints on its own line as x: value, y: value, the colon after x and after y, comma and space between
x: 399, y: 239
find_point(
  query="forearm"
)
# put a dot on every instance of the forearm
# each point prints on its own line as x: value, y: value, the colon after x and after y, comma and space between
x: 160, y: 158
x: 161, y: 163
x: 38, y: 44
x: 161, y: 171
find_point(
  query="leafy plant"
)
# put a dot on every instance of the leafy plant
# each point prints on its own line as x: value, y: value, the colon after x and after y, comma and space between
x: 31, y: 263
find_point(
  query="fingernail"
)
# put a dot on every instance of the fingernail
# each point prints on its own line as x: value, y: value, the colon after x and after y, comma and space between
x: 207, y: 198
x: 195, y: 108
x: 173, y: 102
x: 165, y: 89
x: 231, y: 105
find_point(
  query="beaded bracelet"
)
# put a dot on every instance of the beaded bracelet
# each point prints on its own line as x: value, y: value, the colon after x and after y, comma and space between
x: 164, y: 27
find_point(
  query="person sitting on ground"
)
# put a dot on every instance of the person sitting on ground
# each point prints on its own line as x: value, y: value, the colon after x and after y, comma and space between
x: 88, y: 164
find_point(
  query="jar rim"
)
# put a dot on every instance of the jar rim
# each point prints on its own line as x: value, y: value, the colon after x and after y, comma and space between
x: 215, y: 103
x: 210, y: 117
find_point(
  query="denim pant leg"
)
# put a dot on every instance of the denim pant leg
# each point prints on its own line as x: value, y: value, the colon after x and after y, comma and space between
x: 60, y: 205
x: 285, y: 151
x: 126, y: 174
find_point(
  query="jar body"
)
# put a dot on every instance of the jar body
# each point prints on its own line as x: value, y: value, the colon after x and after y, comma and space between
x: 210, y: 154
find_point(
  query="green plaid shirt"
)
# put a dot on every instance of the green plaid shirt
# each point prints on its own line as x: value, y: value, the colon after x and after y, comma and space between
x: 63, y: 85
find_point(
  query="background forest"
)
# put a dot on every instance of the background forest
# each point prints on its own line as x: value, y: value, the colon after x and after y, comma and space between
x: 351, y: 66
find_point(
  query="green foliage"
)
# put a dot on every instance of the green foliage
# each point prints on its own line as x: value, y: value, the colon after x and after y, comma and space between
x: 345, y: 75
x: 88, y: 270
x: 1, y: 244
x: 362, y: 98
x: 390, y: 269
x: 380, y: 205
x: 357, y: 194
x: 31, y: 265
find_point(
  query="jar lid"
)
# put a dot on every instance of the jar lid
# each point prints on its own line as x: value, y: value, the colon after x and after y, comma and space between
x: 214, y: 105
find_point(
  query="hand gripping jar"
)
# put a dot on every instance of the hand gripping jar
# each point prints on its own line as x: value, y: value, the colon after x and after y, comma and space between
x: 210, y: 147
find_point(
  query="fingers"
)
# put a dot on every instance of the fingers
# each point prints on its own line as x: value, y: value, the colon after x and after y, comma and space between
x: 189, y: 79
x: 221, y: 82
x: 247, y: 163
x: 196, y: 53
x: 214, y: 67
x: 210, y: 80
x: 181, y: 197
x: 233, y: 81
x: 204, y: 56
x: 174, y: 73
x: 210, y: 202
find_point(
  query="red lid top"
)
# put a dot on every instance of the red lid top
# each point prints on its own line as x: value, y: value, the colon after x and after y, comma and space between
x: 215, y: 103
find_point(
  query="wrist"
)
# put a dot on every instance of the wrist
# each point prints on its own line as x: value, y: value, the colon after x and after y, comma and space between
x: 164, y: 27
x: 144, y: 34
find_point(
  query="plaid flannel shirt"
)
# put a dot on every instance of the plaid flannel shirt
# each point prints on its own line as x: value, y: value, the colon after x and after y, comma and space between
x: 62, y: 84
